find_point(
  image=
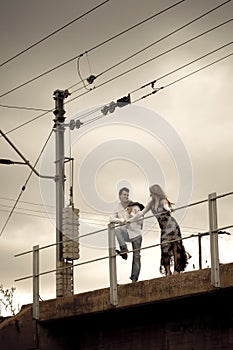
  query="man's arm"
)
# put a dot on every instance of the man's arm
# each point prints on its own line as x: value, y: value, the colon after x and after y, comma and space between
x: 118, y: 216
x: 114, y: 219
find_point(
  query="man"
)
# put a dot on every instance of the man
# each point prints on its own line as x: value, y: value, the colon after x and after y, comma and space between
x: 130, y: 233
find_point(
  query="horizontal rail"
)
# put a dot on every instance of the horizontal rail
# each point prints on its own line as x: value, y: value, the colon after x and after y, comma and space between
x: 224, y: 195
x: 145, y: 218
x: 63, y: 241
x: 130, y: 251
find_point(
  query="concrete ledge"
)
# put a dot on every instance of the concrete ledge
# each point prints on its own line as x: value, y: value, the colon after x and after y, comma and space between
x: 160, y: 289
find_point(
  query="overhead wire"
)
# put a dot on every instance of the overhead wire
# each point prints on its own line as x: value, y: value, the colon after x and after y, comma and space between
x: 185, y: 76
x: 25, y: 202
x: 25, y: 184
x: 80, y: 75
x: 191, y: 62
x: 92, y: 49
x: 137, y: 89
x: 28, y: 122
x: 24, y: 108
x: 124, y: 60
x: 92, y: 218
x: 53, y: 33
x: 138, y: 66
x: 198, y: 70
x: 26, y: 209
x: 91, y: 112
x: 27, y: 214
x: 162, y: 38
x: 100, y: 116
x: 151, y: 59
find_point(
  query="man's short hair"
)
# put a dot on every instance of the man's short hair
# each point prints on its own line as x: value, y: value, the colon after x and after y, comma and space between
x: 123, y: 189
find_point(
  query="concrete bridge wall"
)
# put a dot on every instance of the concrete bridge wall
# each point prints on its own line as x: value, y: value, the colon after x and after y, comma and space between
x: 182, y: 312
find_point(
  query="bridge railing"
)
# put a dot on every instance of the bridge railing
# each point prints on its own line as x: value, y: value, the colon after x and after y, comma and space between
x: 213, y: 232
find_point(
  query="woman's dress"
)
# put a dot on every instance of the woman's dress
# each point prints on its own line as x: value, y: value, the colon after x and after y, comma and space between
x: 171, y: 252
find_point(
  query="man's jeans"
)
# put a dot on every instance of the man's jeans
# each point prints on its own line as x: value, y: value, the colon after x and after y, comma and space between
x: 122, y: 237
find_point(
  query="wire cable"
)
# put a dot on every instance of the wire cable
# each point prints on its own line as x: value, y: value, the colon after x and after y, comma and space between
x: 138, y: 66
x: 28, y: 122
x: 91, y: 49
x: 47, y: 111
x: 198, y: 70
x: 80, y: 76
x: 163, y: 87
x: 37, y: 117
x: 163, y: 38
x: 181, y: 67
x: 51, y: 34
x: 114, y: 37
x: 26, y: 209
x: 26, y: 182
x: 99, y: 108
x: 20, y: 213
x: 24, y: 108
x: 11, y: 199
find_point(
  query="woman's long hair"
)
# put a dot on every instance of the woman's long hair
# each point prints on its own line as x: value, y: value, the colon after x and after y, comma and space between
x: 158, y: 191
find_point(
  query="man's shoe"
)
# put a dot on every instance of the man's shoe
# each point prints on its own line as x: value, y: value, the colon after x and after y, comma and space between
x: 134, y: 281
x: 122, y: 253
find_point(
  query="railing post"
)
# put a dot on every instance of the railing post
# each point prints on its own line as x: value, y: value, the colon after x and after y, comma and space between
x: 214, y: 253
x: 112, y: 265
x: 35, y: 308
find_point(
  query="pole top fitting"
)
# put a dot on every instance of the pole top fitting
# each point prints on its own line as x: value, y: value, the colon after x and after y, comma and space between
x: 61, y: 94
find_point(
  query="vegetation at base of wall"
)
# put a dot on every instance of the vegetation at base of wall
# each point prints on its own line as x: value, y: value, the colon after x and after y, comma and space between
x: 7, y: 299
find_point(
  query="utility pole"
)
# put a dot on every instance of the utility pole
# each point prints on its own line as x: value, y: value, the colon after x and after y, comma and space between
x: 64, y: 274
x: 67, y: 219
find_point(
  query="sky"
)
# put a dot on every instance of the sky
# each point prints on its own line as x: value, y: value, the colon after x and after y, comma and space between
x: 179, y: 137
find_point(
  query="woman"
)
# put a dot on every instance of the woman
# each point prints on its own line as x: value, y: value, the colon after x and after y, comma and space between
x: 170, y: 231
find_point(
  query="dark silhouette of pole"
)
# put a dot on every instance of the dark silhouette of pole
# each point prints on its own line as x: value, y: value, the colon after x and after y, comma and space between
x: 59, y: 128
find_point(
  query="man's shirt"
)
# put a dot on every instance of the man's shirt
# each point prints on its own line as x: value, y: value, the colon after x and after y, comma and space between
x: 120, y: 215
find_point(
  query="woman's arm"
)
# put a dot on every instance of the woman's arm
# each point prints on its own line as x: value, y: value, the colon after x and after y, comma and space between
x: 140, y: 213
x: 166, y: 205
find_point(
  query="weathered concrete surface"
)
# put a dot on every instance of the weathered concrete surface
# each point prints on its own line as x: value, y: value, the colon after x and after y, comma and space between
x: 19, y: 332
x: 159, y: 289
x: 182, y: 312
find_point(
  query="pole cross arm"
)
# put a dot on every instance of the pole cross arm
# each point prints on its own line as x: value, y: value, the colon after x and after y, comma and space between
x: 8, y: 162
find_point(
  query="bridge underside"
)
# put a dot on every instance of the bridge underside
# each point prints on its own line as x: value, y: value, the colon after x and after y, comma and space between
x: 199, y: 322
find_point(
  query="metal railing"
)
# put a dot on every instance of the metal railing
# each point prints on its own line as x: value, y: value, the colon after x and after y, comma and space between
x: 213, y: 232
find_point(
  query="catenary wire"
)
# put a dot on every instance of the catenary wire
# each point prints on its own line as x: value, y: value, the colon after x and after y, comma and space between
x: 47, y: 111
x: 145, y: 48
x: 163, y: 87
x: 27, y: 214
x: 141, y: 50
x: 181, y: 67
x: 24, y: 108
x: 37, y: 117
x: 40, y: 109
x: 27, y: 209
x: 197, y: 70
x: 122, y: 61
x: 51, y: 34
x: 153, y: 58
x: 25, y: 202
x: 91, y: 49
x: 28, y: 122
x: 26, y: 182
x: 96, y: 118
x: 161, y: 39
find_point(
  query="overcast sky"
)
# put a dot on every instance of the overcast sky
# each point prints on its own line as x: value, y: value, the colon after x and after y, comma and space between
x: 180, y: 137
